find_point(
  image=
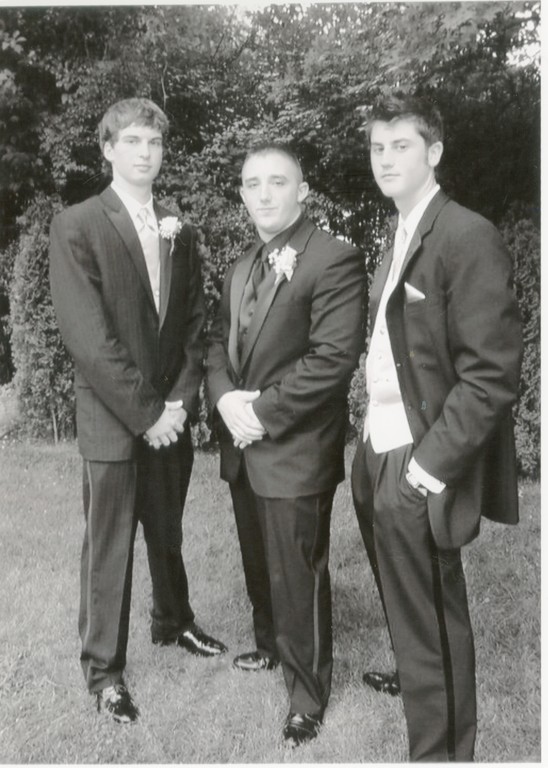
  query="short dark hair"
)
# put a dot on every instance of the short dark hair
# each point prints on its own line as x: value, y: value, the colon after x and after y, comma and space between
x: 129, y: 112
x: 264, y: 147
x: 400, y: 106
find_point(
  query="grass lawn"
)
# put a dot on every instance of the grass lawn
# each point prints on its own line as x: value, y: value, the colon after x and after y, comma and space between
x: 201, y: 711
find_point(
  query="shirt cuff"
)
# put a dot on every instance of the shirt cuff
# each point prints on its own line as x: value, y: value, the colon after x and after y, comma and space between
x: 430, y: 483
x: 174, y: 404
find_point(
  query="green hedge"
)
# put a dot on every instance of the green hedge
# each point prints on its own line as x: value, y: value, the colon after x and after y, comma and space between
x: 43, y: 378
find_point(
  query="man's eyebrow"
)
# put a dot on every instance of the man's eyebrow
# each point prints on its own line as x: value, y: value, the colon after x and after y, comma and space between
x: 272, y: 177
x: 138, y: 136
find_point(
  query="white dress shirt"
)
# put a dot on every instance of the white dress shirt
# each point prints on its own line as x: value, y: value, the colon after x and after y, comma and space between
x: 386, y: 422
x: 149, y: 236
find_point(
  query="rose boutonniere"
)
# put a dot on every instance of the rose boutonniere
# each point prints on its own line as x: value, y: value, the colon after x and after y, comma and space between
x: 284, y: 262
x: 169, y: 227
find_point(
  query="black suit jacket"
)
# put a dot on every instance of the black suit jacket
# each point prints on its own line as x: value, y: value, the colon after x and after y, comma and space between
x: 458, y: 355
x: 300, y: 351
x: 128, y: 359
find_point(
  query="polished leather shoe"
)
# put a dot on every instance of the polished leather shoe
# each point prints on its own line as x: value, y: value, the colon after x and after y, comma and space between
x: 383, y: 682
x: 300, y: 728
x: 116, y: 701
x: 197, y: 642
x: 254, y: 662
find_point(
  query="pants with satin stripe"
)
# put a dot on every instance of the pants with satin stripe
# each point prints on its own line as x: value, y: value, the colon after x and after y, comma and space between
x: 285, y: 553
x: 106, y: 569
x: 163, y: 477
x: 424, y: 595
x: 116, y: 495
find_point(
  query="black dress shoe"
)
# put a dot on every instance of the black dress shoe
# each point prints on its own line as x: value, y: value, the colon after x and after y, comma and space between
x: 383, y: 682
x: 254, y: 662
x: 197, y: 642
x: 116, y: 701
x: 300, y: 728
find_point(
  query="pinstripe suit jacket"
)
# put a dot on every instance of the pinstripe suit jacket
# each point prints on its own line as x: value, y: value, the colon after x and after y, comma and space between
x: 128, y: 359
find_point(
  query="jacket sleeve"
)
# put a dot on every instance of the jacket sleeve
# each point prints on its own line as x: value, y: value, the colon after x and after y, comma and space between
x: 484, y: 336
x: 187, y: 385
x: 83, y: 320
x: 335, y: 342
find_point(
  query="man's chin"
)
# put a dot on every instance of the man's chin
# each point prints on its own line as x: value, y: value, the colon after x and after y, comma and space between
x: 389, y: 188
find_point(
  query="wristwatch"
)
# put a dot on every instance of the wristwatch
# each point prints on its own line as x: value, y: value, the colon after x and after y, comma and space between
x: 415, y: 483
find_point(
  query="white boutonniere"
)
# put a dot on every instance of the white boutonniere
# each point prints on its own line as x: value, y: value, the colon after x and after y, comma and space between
x: 284, y: 262
x: 169, y: 227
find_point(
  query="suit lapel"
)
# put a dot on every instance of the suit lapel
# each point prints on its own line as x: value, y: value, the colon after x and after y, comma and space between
x: 381, y: 275
x: 121, y: 220
x: 425, y: 225
x: 266, y: 296
x: 166, y: 262
x: 237, y: 285
x: 298, y: 241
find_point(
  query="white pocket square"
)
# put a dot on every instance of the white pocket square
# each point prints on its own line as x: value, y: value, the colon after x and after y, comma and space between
x: 413, y: 294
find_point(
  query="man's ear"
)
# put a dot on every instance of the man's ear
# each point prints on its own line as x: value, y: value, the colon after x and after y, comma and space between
x: 302, y: 191
x: 241, y: 191
x: 107, y: 151
x: 435, y: 151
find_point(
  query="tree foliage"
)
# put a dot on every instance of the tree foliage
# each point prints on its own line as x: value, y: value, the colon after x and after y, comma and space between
x: 228, y: 76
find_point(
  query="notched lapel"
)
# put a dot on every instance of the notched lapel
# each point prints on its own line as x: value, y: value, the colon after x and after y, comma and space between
x: 166, y: 264
x: 237, y: 285
x: 381, y: 275
x: 425, y: 225
x: 121, y: 220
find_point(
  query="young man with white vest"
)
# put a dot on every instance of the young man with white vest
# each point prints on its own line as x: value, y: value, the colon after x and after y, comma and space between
x: 438, y: 451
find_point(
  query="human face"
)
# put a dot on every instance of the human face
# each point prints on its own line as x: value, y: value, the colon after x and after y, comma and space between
x: 136, y: 157
x: 272, y: 190
x: 402, y: 163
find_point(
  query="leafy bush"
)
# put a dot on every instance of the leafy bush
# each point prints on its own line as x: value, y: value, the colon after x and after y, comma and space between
x: 523, y: 240
x: 7, y: 262
x: 43, y: 378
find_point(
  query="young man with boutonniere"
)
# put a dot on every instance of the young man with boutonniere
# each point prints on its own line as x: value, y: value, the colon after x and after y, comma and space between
x: 283, y: 347
x: 126, y: 287
x: 437, y: 453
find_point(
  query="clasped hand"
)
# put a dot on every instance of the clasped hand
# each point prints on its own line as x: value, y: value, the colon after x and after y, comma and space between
x: 168, y: 427
x: 238, y: 415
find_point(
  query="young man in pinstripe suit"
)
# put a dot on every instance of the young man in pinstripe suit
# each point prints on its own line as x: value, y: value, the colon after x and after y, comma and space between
x: 126, y: 287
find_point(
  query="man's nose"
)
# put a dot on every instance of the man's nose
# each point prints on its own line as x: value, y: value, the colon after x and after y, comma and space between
x: 387, y: 158
x: 265, y: 192
x: 144, y: 149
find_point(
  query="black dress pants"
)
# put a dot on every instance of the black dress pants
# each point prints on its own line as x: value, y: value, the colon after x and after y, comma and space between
x: 424, y: 594
x: 106, y: 569
x: 285, y: 553
x: 163, y: 477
